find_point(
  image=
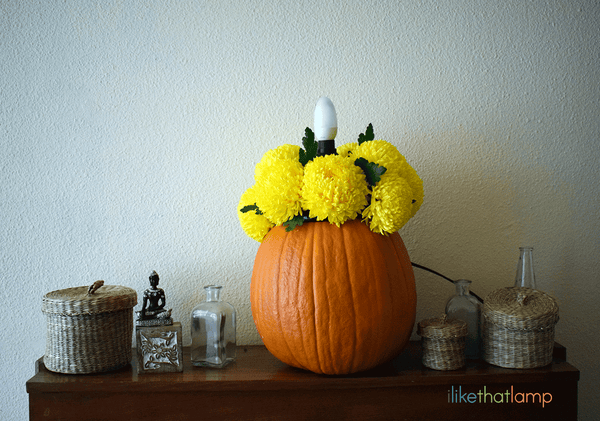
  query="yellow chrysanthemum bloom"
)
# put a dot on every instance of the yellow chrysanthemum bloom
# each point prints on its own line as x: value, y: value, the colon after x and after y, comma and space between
x: 391, y: 205
x: 348, y: 149
x: 282, y: 152
x: 255, y: 226
x: 387, y: 155
x: 278, y: 189
x: 334, y: 189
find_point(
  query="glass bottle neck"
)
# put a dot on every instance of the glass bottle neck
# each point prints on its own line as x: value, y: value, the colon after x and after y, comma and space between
x: 213, y: 293
x: 463, y: 287
x: 525, y: 276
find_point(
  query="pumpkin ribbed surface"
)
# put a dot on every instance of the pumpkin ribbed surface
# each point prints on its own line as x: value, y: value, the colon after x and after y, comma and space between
x: 333, y: 300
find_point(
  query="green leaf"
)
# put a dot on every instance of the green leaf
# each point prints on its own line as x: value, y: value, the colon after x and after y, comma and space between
x: 368, y: 135
x: 296, y: 221
x: 373, y: 172
x: 310, y: 147
x: 249, y: 208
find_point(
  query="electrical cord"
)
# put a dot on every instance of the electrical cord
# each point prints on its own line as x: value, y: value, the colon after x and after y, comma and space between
x: 445, y: 277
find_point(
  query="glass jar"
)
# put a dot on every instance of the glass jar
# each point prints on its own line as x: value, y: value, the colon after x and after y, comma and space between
x: 213, y: 331
x: 464, y: 306
x: 525, y: 276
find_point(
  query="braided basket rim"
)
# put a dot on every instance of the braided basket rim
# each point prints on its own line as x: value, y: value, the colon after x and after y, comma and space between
x: 77, y: 302
x: 518, y: 308
x: 440, y: 328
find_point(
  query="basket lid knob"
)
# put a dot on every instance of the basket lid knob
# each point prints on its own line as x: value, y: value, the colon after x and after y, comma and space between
x: 522, y: 298
x: 94, y: 287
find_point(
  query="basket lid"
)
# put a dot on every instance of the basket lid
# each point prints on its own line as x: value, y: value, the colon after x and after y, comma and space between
x: 95, y: 299
x: 520, y: 308
x: 440, y: 327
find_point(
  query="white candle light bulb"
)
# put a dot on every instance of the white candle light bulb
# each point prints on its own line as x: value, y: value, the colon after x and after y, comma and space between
x: 325, y: 119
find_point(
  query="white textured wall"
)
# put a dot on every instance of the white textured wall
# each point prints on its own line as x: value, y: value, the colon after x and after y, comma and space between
x: 129, y: 129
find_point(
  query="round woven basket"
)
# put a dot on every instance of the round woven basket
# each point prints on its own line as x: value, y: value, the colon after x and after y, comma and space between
x: 518, y: 327
x: 443, y: 343
x: 88, y: 332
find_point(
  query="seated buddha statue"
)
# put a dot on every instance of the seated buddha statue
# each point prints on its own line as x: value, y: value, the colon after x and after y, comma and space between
x: 153, y: 305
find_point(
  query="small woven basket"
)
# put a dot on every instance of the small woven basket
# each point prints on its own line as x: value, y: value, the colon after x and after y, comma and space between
x: 518, y: 327
x: 89, y: 331
x: 443, y: 343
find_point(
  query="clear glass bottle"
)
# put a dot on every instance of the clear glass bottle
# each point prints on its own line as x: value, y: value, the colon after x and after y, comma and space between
x: 213, y: 331
x: 525, y: 276
x: 464, y: 306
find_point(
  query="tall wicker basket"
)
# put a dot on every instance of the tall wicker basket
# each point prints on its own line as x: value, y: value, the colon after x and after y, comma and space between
x: 88, y: 331
x: 518, y: 327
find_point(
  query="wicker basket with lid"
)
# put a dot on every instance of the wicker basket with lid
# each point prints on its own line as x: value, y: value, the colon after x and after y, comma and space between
x: 443, y: 343
x: 518, y: 327
x: 89, y: 329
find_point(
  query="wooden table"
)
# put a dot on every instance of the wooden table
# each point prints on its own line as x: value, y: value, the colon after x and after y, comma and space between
x: 259, y: 387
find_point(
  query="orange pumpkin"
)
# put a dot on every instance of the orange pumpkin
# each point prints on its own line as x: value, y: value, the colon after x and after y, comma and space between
x: 333, y: 300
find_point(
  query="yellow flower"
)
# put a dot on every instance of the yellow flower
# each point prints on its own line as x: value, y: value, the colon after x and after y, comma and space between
x: 382, y: 153
x: 255, y: 226
x: 348, y: 150
x: 334, y: 189
x: 282, y: 152
x: 387, y: 155
x: 391, y: 204
x: 278, y: 188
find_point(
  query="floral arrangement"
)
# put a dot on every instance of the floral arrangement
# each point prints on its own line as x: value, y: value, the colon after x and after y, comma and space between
x: 368, y: 179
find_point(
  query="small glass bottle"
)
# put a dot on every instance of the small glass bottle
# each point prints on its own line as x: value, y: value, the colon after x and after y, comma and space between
x: 525, y: 276
x: 464, y: 306
x: 213, y: 331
